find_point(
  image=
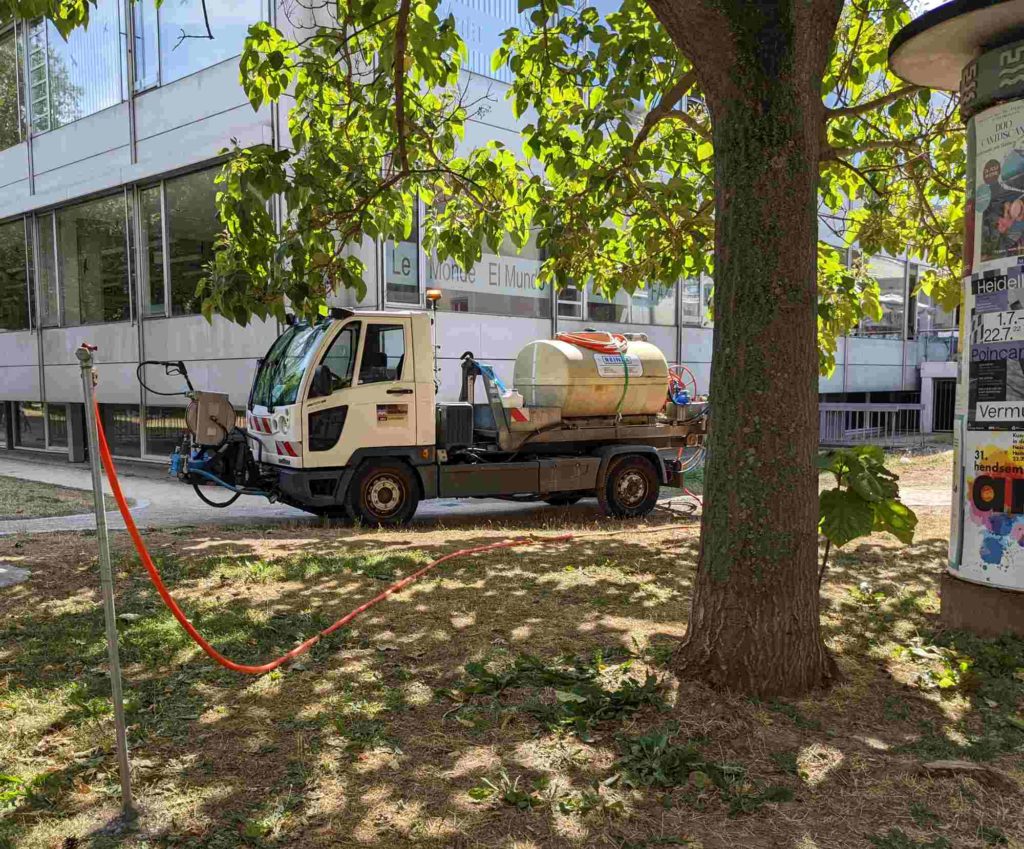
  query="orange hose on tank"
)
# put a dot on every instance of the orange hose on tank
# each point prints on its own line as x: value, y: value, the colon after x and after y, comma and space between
x: 600, y: 341
x: 303, y: 647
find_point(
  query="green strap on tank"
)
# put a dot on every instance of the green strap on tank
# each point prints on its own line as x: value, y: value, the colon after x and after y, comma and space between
x: 625, y: 384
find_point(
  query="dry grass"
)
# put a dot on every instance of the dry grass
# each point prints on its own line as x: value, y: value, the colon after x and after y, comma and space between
x: 379, y: 740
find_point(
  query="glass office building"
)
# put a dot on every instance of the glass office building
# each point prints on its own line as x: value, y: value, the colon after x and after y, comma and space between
x: 107, y: 218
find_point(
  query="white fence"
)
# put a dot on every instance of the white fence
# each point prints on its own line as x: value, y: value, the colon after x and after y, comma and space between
x: 870, y: 424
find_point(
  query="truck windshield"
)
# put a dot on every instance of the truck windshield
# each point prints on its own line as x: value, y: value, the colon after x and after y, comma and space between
x: 278, y: 380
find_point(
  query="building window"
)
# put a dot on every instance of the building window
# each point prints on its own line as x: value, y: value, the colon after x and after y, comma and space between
x: 11, y: 109
x: 121, y: 425
x: 57, y: 425
x: 68, y: 80
x: 13, y: 277
x: 570, y: 302
x: 4, y: 406
x: 178, y: 218
x: 164, y: 429
x: 29, y: 425
x: 890, y: 276
x: 93, y: 249
x: 655, y: 304
x: 614, y: 310
x: 172, y: 42
x: 690, y: 301
x: 481, y: 24
x: 151, y: 258
x: 46, y: 271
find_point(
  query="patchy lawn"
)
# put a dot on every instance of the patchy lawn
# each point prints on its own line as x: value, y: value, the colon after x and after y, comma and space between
x: 522, y: 699
x: 21, y: 499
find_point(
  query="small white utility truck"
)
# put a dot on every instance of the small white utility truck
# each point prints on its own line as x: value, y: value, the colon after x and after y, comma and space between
x: 343, y: 419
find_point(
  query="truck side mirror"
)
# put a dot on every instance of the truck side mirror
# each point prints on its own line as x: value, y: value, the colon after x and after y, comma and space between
x: 322, y: 383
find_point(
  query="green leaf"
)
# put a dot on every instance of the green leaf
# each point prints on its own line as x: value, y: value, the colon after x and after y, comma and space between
x: 896, y: 518
x: 844, y: 516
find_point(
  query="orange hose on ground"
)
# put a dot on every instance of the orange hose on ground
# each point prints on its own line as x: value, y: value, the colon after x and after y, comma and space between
x: 302, y: 648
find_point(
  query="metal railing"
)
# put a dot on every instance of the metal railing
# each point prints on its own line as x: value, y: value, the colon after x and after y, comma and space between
x: 937, y: 346
x: 845, y: 424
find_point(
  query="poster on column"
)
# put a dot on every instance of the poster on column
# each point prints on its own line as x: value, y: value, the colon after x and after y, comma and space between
x: 995, y: 300
x: 999, y: 182
x: 993, y: 523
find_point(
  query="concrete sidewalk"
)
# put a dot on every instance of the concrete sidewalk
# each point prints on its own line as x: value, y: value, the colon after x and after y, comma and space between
x: 169, y: 503
x: 165, y: 502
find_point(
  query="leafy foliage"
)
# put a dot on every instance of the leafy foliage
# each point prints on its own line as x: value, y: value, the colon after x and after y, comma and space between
x: 66, y: 15
x: 653, y: 760
x: 865, y: 499
x: 581, y: 694
x: 616, y: 177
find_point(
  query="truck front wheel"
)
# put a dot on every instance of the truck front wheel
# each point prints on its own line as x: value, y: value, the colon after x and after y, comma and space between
x: 383, y: 492
x: 630, y: 488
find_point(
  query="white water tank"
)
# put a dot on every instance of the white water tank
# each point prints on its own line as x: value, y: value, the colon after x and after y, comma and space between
x: 552, y: 373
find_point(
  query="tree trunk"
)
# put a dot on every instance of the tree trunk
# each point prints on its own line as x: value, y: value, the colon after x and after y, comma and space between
x: 754, y: 621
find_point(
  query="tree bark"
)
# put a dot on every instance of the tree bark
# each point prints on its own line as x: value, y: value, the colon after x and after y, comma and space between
x: 754, y: 620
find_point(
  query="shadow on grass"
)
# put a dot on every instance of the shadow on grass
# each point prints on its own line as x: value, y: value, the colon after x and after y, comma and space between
x: 373, y: 738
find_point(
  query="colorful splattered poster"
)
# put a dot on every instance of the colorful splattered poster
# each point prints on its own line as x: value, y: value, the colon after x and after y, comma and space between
x: 993, y: 522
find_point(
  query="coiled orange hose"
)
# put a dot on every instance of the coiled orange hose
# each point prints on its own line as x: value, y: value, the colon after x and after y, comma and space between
x: 600, y: 341
x: 303, y: 647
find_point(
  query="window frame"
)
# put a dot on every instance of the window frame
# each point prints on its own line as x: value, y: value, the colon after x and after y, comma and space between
x: 28, y: 245
x: 20, y: 79
x: 142, y: 269
x: 387, y: 324
x: 123, y: 193
x: 356, y: 325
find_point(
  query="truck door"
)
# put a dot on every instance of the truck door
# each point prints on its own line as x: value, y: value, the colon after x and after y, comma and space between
x: 374, y: 402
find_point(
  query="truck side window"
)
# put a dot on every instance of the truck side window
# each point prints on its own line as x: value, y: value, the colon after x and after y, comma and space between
x: 383, y: 353
x: 341, y: 357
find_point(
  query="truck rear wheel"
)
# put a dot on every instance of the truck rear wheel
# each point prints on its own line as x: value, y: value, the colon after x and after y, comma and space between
x: 383, y: 492
x: 631, y: 487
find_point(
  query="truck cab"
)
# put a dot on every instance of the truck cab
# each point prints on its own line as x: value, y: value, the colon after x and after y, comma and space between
x: 331, y: 394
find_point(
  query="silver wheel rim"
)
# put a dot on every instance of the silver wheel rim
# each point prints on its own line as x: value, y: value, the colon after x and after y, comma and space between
x: 631, y: 488
x: 385, y: 495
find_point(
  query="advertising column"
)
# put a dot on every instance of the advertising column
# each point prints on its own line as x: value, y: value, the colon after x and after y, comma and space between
x: 987, y: 539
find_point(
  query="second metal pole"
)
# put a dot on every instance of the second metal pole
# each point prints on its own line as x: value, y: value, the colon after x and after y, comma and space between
x: 84, y: 355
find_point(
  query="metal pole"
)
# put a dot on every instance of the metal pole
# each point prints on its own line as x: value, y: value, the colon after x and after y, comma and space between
x: 84, y: 354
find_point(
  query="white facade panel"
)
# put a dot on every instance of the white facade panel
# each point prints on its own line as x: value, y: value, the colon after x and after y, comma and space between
x: 117, y: 343
x: 13, y: 179
x: 193, y: 144
x: 19, y: 366
x: 86, y: 156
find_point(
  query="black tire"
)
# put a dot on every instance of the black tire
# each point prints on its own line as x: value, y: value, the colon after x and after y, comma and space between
x: 383, y: 492
x: 631, y: 487
x: 564, y: 499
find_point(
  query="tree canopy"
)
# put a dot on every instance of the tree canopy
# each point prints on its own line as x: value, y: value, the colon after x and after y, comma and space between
x: 615, y: 172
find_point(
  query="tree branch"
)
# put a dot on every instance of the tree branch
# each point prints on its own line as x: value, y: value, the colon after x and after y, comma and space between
x: 665, y: 107
x: 830, y: 154
x: 870, y: 105
x: 401, y: 40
